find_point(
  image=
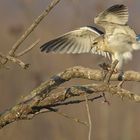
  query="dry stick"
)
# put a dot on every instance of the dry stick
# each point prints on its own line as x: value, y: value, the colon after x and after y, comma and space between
x: 77, y: 101
x: 28, y: 49
x: 77, y: 72
x: 72, y: 118
x: 30, y: 107
x: 69, y: 117
x: 89, y: 117
x: 25, y: 35
x: 40, y: 96
x: 18, y: 61
x: 46, y: 110
x: 33, y: 26
x: 15, y: 60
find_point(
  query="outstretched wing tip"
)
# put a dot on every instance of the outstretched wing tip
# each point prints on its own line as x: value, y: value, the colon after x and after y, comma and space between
x: 117, y: 7
x: 42, y: 48
x: 117, y: 14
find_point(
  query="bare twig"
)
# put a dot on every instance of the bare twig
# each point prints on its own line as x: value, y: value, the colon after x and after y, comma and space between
x: 13, y: 59
x: 33, y: 26
x: 89, y: 118
x: 28, y: 49
x: 17, y: 61
x: 11, y: 55
x: 69, y: 117
x: 77, y: 101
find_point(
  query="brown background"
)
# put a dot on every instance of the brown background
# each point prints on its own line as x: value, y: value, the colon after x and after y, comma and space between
x: 119, y: 121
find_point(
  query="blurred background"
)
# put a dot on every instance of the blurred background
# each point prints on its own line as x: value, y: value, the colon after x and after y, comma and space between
x: 119, y: 121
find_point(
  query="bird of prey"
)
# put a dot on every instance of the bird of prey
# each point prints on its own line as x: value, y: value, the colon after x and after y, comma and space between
x: 118, y: 40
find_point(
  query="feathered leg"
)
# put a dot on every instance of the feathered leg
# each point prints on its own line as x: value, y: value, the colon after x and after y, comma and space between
x: 119, y: 67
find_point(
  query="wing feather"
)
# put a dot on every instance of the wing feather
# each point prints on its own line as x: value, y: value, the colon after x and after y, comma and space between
x: 117, y: 14
x: 77, y: 41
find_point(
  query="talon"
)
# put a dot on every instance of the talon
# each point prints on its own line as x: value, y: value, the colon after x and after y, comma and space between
x: 104, y: 66
x: 121, y: 76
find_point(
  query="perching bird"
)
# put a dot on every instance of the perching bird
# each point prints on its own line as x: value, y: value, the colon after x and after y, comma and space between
x: 118, y: 40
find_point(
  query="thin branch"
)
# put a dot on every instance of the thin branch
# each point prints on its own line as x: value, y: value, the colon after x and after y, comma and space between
x: 50, y: 109
x: 11, y: 55
x: 14, y: 60
x: 17, y: 61
x: 32, y: 27
x: 69, y: 117
x: 28, y: 49
x: 77, y: 101
x: 89, y: 118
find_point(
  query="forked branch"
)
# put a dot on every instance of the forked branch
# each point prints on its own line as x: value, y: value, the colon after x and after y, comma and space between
x: 12, y: 56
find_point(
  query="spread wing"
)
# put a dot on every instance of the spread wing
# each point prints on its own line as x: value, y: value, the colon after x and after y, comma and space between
x: 77, y: 41
x: 117, y: 14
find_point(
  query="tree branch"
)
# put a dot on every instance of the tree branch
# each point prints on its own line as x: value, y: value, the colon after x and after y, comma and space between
x: 41, y: 97
x: 11, y: 56
x: 28, y: 49
x: 33, y: 26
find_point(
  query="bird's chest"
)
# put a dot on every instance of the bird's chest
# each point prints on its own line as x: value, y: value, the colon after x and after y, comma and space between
x: 118, y: 43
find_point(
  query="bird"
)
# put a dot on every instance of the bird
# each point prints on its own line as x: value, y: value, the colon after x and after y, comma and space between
x: 116, y: 41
